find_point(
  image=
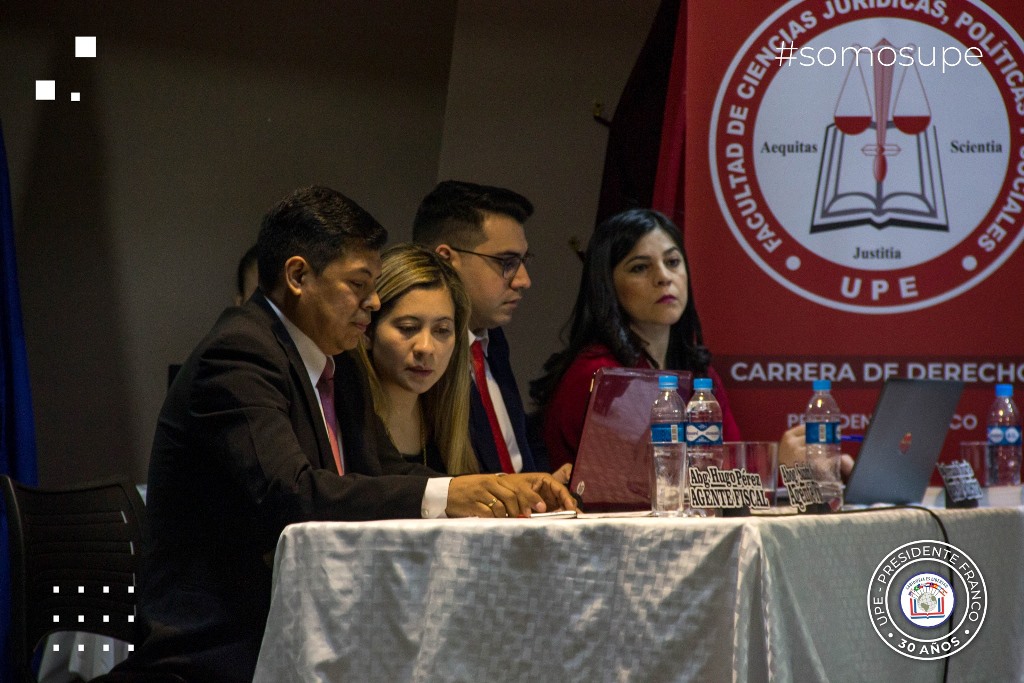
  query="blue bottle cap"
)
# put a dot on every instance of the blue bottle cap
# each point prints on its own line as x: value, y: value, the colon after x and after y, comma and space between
x: 668, y: 382
x: 702, y: 383
x: 822, y: 385
x: 1004, y: 390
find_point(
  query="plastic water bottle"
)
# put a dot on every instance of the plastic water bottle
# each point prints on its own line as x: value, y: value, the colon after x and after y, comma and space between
x: 1004, y: 439
x: 703, y: 433
x: 823, y: 443
x: 667, y: 448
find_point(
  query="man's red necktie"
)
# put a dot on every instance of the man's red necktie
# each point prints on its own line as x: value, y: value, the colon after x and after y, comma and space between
x: 325, y: 387
x: 480, y: 374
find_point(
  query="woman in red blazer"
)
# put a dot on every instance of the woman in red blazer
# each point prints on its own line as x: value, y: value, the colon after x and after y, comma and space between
x: 634, y: 308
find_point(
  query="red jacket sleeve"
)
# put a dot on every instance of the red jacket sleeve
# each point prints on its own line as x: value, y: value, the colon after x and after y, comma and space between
x: 564, y: 416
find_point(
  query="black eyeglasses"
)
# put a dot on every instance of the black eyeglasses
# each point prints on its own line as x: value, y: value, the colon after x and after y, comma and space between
x: 509, y: 264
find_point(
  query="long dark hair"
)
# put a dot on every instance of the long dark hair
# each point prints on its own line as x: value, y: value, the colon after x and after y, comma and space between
x: 597, y: 316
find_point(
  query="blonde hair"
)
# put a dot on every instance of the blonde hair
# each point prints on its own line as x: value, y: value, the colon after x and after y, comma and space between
x: 405, y: 267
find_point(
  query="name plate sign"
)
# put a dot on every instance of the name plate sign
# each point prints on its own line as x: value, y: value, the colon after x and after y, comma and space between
x: 715, y: 488
x: 960, y: 482
x: 803, y: 490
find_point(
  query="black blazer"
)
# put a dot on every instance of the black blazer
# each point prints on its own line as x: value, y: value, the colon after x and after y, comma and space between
x: 480, y: 427
x: 241, y: 451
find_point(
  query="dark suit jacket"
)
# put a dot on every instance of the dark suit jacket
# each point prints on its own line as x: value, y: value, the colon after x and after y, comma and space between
x: 240, y: 452
x: 479, y: 426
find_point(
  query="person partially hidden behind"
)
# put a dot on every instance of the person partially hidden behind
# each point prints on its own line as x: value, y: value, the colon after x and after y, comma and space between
x: 253, y: 437
x: 247, y: 276
x: 416, y: 355
x: 479, y: 230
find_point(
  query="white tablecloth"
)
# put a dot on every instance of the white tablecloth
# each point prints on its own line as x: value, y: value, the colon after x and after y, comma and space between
x: 746, y: 599
x: 71, y: 656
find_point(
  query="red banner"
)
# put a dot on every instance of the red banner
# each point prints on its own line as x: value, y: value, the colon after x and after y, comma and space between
x: 854, y: 198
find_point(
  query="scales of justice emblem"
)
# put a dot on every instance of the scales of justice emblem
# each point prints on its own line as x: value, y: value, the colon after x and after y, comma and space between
x: 880, y: 157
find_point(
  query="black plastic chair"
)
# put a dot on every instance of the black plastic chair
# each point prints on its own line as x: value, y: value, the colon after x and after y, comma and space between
x: 75, y: 557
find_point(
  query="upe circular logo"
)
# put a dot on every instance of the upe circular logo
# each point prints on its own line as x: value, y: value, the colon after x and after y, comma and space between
x: 866, y: 172
x: 927, y: 600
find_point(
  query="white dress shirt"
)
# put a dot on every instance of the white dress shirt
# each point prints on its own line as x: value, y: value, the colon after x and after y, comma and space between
x: 499, y: 404
x: 435, y: 496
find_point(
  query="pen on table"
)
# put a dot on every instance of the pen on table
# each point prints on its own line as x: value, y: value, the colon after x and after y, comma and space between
x: 852, y: 438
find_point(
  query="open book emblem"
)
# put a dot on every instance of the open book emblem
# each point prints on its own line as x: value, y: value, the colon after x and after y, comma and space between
x: 880, y: 162
x: 864, y: 175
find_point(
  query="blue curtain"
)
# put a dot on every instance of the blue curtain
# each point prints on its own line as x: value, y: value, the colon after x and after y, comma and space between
x: 17, y: 427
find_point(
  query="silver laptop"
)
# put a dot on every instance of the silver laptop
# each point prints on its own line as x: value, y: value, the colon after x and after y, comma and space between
x: 903, y: 441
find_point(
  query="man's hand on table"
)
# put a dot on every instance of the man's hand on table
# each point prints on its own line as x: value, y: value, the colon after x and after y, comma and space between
x: 793, y: 449
x: 792, y: 446
x: 512, y: 495
x: 563, y: 474
x: 551, y: 488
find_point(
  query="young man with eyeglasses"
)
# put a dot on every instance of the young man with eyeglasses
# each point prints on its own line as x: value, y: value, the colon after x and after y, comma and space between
x: 479, y: 228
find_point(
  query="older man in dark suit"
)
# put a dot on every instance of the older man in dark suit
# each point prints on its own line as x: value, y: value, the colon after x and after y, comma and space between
x: 253, y: 436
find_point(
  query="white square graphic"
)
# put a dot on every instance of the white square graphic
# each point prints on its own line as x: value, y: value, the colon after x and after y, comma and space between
x: 76, y: 97
x: 85, y: 46
x: 81, y: 647
x: 56, y: 647
x: 46, y: 90
x: 56, y: 618
x: 106, y: 618
x: 106, y: 647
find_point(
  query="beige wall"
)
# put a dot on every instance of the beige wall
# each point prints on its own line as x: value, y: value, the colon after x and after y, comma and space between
x: 524, y: 78
x: 133, y: 205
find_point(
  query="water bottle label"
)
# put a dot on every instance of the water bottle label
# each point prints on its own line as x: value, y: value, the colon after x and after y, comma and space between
x: 1003, y: 436
x: 667, y: 432
x: 822, y: 433
x: 704, y: 433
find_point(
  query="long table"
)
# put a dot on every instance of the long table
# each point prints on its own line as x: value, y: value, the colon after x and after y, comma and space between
x: 738, y: 599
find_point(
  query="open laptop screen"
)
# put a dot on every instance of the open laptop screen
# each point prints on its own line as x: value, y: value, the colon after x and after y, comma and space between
x: 613, y: 465
x: 903, y: 441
